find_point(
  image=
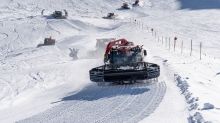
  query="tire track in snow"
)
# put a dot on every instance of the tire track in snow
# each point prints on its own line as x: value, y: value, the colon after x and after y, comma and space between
x: 110, y: 103
x: 154, y: 101
x: 52, y: 28
x: 3, y: 36
x: 100, y: 93
x: 74, y: 26
x: 120, y: 107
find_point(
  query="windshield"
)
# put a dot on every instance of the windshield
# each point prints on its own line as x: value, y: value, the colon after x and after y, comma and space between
x: 125, y: 57
x: 58, y: 13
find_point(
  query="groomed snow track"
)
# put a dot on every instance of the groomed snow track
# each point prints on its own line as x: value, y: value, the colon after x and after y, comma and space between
x: 107, y: 104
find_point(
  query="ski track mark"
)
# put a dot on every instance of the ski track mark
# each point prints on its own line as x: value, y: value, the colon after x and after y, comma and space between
x: 52, y: 28
x: 3, y: 36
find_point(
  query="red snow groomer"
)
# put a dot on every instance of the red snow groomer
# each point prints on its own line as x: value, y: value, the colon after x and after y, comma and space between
x: 124, y: 63
x: 136, y: 2
x: 125, y: 6
x: 48, y: 41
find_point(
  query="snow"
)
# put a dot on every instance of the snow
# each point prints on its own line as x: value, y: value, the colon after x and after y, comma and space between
x: 45, y: 84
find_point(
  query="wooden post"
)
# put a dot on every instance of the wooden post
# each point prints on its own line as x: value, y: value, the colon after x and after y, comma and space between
x: 191, y: 48
x: 158, y: 38
x: 200, y: 50
x: 174, y: 42
x: 175, y: 38
x: 169, y: 42
x: 166, y: 41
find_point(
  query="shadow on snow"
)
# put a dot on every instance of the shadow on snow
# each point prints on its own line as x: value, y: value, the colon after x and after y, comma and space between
x: 199, y: 4
x: 94, y: 92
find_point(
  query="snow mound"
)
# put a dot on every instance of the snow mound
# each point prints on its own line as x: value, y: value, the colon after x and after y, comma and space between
x: 196, y: 118
x: 208, y: 106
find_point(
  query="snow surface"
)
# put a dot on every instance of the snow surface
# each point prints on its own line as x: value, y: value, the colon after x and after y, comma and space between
x: 44, y: 84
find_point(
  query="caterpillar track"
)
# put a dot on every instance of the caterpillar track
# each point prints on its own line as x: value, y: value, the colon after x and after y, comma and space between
x: 124, y: 72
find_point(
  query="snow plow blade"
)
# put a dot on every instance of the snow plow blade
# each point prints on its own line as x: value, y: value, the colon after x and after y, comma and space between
x: 125, y: 72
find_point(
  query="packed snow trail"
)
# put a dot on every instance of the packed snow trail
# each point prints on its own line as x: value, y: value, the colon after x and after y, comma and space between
x: 109, y: 103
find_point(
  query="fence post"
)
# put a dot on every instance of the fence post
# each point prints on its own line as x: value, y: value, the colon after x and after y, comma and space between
x: 182, y: 47
x: 174, y: 44
x: 155, y: 34
x: 162, y: 40
x: 200, y: 50
x: 166, y: 41
x: 158, y: 38
x: 191, y: 48
x: 169, y: 42
x: 152, y: 30
x: 175, y: 38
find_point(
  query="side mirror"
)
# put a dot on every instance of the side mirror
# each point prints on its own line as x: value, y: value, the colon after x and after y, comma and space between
x: 145, y: 52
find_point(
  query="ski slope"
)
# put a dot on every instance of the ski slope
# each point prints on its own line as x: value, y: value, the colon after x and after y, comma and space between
x: 44, y: 84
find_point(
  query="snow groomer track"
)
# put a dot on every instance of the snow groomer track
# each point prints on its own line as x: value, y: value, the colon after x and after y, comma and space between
x: 110, y: 103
